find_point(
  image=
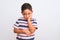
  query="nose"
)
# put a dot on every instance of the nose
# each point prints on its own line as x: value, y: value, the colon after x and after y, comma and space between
x: 26, y: 15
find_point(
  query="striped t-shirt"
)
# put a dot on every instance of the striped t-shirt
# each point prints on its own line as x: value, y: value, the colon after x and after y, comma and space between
x: 21, y: 23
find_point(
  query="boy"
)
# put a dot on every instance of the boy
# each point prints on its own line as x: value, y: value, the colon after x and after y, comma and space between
x: 26, y: 25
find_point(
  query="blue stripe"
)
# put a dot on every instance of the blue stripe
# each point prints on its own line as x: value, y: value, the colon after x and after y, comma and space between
x: 20, y: 22
x: 35, y: 22
x: 36, y: 27
x: 24, y: 39
x: 17, y: 22
x: 24, y: 23
x: 16, y: 25
x: 22, y: 26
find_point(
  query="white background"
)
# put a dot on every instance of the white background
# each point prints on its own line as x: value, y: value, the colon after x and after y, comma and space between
x: 47, y: 12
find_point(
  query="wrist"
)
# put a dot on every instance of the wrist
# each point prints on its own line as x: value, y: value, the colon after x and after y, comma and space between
x: 29, y: 21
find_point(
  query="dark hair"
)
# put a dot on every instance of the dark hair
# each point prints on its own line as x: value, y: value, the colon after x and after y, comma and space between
x: 26, y: 6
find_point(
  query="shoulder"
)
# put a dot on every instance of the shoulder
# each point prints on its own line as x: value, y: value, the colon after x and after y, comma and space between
x: 20, y: 19
x: 34, y: 19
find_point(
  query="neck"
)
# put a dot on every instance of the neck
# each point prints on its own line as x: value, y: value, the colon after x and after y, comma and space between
x: 30, y: 19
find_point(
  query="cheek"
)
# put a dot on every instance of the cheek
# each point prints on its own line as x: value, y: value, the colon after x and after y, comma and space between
x: 30, y: 15
x: 25, y: 16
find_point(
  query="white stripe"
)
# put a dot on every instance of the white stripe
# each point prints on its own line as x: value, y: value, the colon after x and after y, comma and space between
x: 26, y: 37
x: 25, y: 34
x: 16, y: 27
x: 22, y: 34
x: 25, y: 21
x: 34, y: 24
x: 23, y: 24
x: 16, y: 24
x: 23, y: 28
x: 22, y: 21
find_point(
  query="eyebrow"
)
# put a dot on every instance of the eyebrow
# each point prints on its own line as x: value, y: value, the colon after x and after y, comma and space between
x: 24, y: 13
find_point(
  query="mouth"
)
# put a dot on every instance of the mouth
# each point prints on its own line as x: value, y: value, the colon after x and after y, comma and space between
x: 25, y: 18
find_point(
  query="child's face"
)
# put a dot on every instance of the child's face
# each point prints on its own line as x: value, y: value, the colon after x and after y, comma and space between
x: 27, y: 13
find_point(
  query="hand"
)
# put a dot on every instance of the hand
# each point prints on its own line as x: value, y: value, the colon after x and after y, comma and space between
x: 29, y: 18
x: 26, y: 31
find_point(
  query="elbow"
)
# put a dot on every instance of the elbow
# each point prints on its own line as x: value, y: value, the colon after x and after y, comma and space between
x: 14, y: 31
x: 32, y: 31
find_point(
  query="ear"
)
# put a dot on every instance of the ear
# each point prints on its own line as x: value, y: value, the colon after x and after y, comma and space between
x: 21, y: 11
x: 32, y: 11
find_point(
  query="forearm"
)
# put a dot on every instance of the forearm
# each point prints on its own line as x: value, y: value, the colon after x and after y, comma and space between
x: 23, y: 31
x: 18, y: 31
x: 27, y: 32
x: 31, y: 27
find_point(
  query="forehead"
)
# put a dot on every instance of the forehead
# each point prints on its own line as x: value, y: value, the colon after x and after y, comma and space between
x: 26, y: 11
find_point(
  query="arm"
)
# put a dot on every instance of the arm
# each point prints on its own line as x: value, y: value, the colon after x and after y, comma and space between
x: 27, y: 32
x: 31, y: 27
x: 18, y: 31
x: 23, y: 31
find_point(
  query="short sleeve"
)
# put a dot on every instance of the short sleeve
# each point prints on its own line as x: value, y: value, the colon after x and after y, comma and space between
x: 34, y: 23
x: 20, y: 24
x: 16, y: 24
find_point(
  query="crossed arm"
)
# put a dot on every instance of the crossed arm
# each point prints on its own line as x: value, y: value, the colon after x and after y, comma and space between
x: 23, y: 31
x: 28, y: 31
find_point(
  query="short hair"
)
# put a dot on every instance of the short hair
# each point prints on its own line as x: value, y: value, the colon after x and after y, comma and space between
x: 26, y: 6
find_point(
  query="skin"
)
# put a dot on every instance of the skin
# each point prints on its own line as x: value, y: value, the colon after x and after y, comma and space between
x: 27, y: 14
